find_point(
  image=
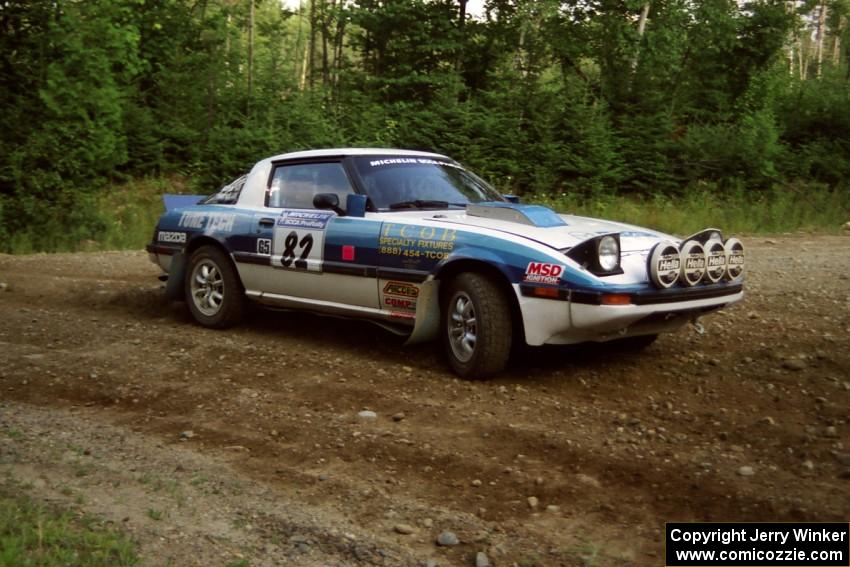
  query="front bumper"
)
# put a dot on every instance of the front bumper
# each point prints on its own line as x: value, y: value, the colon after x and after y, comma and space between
x: 583, y: 316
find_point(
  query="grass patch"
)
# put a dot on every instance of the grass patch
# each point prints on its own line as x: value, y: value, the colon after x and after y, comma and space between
x: 33, y: 534
x: 130, y: 212
x: 13, y: 433
x: 782, y: 209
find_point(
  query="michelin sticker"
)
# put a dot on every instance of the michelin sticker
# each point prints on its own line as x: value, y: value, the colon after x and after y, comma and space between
x: 414, y: 161
x: 310, y: 220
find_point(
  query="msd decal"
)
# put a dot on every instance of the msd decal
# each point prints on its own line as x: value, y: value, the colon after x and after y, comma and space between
x: 541, y: 272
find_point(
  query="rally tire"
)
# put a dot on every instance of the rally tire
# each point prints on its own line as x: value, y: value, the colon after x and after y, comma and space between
x: 476, y: 326
x: 213, y: 291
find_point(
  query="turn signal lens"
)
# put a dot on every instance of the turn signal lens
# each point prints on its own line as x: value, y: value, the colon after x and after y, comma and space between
x: 550, y: 292
x: 616, y: 299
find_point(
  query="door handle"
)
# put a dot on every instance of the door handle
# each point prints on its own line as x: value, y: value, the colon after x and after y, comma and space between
x: 266, y: 221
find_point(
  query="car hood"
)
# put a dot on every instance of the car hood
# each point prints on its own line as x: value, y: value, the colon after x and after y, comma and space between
x: 573, y: 230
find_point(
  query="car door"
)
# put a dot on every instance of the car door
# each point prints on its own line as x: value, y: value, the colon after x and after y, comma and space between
x: 317, y: 255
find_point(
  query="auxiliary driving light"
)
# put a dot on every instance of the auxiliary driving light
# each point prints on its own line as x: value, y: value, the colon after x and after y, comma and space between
x: 664, y: 264
x: 715, y: 255
x: 734, y: 259
x: 693, y: 262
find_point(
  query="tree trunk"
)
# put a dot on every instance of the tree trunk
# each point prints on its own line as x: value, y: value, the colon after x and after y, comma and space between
x: 297, y: 58
x: 326, y: 74
x: 250, y: 52
x: 789, y: 8
x: 338, y: 42
x: 312, y: 51
x: 820, y: 36
x: 836, y: 43
x: 461, y: 24
x: 644, y: 14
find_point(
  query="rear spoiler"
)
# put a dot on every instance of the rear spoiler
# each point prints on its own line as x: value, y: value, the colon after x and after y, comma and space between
x: 179, y: 201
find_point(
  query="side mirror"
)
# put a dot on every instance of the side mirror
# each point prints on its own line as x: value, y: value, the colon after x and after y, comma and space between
x: 328, y: 201
x: 512, y: 199
x: 356, y: 205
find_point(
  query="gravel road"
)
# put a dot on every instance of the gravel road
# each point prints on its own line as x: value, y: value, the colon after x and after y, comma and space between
x: 210, y: 447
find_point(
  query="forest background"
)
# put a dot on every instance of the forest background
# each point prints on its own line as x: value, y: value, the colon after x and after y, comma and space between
x: 677, y: 114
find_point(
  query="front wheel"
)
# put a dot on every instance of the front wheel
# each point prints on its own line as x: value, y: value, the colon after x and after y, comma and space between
x: 213, y: 291
x: 477, y: 329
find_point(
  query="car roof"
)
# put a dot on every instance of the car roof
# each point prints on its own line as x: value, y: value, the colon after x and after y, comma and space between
x: 337, y: 152
x: 253, y: 192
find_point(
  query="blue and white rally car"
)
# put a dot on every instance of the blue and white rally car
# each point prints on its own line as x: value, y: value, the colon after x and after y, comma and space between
x: 417, y: 243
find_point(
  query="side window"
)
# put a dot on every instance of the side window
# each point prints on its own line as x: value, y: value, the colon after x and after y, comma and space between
x: 294, y: 186
x: 227, y: 195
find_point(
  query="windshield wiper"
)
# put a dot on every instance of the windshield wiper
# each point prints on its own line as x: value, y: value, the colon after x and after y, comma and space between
x: 424, y: 204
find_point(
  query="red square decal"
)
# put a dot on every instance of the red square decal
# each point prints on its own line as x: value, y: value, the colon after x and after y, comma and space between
x: 348, y: 253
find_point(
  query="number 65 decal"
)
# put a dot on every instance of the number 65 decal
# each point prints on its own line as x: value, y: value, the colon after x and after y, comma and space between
x: 289, y: 250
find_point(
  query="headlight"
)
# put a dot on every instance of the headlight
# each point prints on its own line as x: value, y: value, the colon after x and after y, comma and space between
x: 609, y: 253
x: 693, y: 262
x: 599, y: 255
x: 734, y: 259
x: 664, y: 264
x: 715, y: 255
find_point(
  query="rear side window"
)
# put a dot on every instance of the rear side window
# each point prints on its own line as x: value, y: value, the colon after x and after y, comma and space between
x: 294, y: 186
x: 227, y: 195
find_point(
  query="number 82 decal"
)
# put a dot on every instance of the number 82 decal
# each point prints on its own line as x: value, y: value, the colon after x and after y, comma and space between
x: 293, y: 247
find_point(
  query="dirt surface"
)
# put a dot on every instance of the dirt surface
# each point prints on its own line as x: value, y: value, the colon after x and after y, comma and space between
x: 209, y: 447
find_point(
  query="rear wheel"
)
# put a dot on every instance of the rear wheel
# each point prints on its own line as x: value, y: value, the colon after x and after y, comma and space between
x: 477, y: 329
x: 213, y: 291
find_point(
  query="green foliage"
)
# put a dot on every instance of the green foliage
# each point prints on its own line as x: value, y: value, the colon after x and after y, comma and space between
x: 808, y: 207
x: 538, y: 97
x: 33, y: 535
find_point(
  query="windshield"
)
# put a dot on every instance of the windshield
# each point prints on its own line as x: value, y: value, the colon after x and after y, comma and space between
x: 394, y: 182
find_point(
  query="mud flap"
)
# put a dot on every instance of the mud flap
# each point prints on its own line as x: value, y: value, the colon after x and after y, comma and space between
x: 176, y: 275
x: 427, y: 324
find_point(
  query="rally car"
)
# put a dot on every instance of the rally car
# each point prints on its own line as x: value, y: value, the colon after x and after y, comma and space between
x: 421, y: 245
